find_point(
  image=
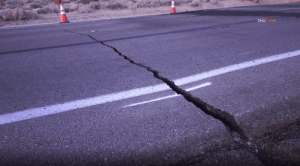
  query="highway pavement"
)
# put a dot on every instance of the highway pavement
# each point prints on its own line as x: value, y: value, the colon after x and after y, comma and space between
x: 102, y: 92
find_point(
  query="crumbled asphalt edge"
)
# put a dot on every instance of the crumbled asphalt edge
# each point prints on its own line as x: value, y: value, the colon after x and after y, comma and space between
x: 271, y: 150
x: 223, y: 116
x: 268, y: 149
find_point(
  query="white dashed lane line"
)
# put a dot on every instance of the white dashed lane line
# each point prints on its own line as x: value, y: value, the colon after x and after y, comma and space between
x: 83, y: 103
x: 167, y: 97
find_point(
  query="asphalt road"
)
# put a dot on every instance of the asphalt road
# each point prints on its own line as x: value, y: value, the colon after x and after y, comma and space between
x: 84, y: 94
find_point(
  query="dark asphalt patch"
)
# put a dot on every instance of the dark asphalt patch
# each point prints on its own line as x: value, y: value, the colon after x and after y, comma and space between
x: 241, y: 13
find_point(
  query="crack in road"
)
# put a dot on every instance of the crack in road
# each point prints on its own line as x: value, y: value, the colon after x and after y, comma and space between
x: 226, y: 118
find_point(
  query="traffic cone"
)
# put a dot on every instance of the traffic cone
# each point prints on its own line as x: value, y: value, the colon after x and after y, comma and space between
x: 173, y: 10
x: 63, y: 16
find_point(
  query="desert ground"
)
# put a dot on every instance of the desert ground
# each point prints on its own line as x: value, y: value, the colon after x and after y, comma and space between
x: 28, y: 12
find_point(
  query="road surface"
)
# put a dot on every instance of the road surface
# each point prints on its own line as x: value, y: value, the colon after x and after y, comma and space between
x: 101, y: 92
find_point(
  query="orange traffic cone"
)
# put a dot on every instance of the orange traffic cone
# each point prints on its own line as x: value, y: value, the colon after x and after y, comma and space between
x: 173, y: 10
x: 63, y: 16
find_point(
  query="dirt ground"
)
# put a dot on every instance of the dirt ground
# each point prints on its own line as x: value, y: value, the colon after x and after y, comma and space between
x: 30, y: 12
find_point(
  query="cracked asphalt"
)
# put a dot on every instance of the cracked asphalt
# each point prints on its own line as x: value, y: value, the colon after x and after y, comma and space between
x: 249, y: 116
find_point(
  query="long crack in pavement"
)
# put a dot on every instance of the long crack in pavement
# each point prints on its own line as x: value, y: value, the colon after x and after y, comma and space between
x: 241, y: 145
x: 216, y: 113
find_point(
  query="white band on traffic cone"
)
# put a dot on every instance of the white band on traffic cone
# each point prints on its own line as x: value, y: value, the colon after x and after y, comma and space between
x: 61, y: 7
x: 62, y: 10
x: 173, y: 4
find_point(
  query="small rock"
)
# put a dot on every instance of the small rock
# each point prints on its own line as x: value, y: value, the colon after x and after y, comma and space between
x: 236, y: 139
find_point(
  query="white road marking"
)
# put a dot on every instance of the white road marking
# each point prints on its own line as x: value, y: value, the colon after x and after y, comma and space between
x: 167, y: 97
x: 235, y: 67
x: 83, y: 103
